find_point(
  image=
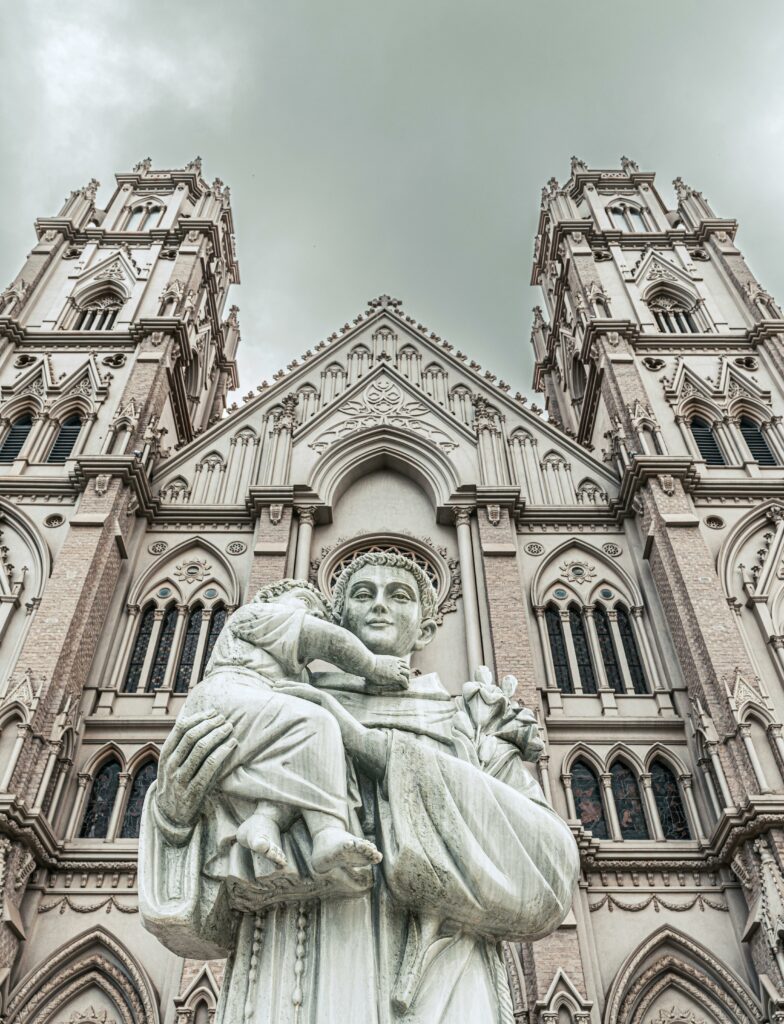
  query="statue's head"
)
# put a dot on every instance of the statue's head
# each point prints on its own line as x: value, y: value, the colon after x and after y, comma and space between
x: 387, y: 601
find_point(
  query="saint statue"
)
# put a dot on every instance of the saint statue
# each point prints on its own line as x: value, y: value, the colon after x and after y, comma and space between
x: 358, y: 842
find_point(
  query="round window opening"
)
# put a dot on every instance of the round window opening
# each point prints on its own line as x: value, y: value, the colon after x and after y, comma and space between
x: 560, y: 593
x: 606, y: 594
x: 212, y: 592
x: 416, y: 557
x: 164, y: 592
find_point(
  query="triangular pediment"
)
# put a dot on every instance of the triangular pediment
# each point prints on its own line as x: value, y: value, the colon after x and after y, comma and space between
x: 653, y: 268
x: 384, y: 372
x: 117, y: 272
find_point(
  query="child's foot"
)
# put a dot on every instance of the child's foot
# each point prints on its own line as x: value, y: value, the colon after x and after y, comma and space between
x: 335, y: 848
x: 255, y: 835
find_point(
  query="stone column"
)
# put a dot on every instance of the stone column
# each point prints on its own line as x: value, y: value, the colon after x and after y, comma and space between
x: 691, y: 806
x: 22, y: 729
x: 45, y: 779
x: 650, y: 803
x: 119, y: 804
x: 83, y: 781
x: 744, y: 730
x: 465, y: 550
x: 306, y: 515
x: 609, y: 803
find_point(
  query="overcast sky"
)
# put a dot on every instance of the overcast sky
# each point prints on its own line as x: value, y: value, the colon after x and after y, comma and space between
x: 393, y: 147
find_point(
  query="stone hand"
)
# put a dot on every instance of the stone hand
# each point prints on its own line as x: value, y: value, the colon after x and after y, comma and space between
x: 390, y: 673
x: 191, y: 761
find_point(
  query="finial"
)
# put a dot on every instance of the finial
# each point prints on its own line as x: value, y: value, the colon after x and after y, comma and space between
x: 682, y: 190
x: 578, y: 165
x: 143, y: 166
x: 629, y: 166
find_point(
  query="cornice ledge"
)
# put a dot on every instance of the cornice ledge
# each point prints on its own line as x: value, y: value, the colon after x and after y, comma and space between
x: 645, y: 467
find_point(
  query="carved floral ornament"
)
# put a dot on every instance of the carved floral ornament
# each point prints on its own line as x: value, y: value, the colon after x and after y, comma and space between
x: 193, y: 571
x: 577, y: 571
x: 442, y: 571
x: 383, y: 403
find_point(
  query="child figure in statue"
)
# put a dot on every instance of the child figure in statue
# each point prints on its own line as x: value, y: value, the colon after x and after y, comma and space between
x: 289, y: 760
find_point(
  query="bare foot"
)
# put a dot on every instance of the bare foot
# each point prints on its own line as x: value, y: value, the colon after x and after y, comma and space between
x: 254, y: 834
x: 335, y: 848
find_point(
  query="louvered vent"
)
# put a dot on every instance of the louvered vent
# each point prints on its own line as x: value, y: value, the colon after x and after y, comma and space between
x: 706, y: 442
x: 756, y: 442
x: 65, y: 441
x: 15, y: 438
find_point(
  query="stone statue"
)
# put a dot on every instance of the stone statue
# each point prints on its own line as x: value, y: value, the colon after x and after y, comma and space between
x: 438, y: 786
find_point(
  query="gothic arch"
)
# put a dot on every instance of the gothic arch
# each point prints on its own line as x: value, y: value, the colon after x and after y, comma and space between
x: 751, y: 406
x: 102, y: 755
x: 660, y: 752
x: 149, y: 752
x: 582, y: 752
x: 621, y: 752
x: 743, y: 530
x: 93, y: 961
x: 667, y: 957
x: 610, y: 568
x: 161, y: 570
x: 360, y: 453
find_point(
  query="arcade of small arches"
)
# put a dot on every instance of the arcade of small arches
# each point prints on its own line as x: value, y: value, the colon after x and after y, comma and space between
x: 54, y: 446
x: 625, y: 802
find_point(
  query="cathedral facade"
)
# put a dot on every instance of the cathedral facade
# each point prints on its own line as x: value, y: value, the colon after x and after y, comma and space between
x: 620, y: 552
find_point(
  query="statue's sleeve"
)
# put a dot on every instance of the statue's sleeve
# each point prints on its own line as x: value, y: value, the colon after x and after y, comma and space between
x: 470, y: 848
x: 187, y: 912
x: 276, y: 629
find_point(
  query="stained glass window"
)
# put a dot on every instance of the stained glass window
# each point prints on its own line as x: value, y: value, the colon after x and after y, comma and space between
x: 587, y: 795
x: 188, y: 656
x: 163, y: 650
x: 667, y: 795
x: 628, y: 802
x: 142, y: 781
x: 563, y: 674
x: 607, y: 647
x: 583, y: 654
x: 136, y: 664
x: 217, y: 622
x: 632, y: 652
x: 103, y: 793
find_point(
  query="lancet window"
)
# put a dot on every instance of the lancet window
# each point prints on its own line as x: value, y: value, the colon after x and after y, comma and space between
x: 581, y: 650
x: 631, y: 650
x: 587, y: 794
x: 98, y: 314
x: 66, y: 439
x: 669, y: 805
x: 705, y: 439
x: 163, y: 649
x: 143, y: 218
x: 627, y: 218
x: 628, y: 802
x: 190, y: 646
x: 132, y: 818
x: 560, y: 657
x: 217, y: 622
x: 756, y: 442
x: 609, y: 654
x: 100, y: 803
x: 673, y: 315
x: 613, y: 805
x: 14, y: 440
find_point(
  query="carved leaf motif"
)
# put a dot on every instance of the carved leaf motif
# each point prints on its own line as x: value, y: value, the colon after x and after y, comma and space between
x: 383, y: 403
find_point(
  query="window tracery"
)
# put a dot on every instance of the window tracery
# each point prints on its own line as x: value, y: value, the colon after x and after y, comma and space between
x: 163, y: 650
x: 627, y: 218
x: 631, y: 650
x: 581, y: 650
x: 217, y: 622
x: 99, y: 313
x: 563, y: 673
x: 612, y: 668
x: 139, y: 653
x: 190, y: 646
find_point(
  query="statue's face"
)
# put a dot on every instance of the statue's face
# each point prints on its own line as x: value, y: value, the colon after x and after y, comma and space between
x: 383, y: 609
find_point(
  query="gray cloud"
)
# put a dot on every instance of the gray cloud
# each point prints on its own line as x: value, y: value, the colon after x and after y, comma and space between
x: 393, y: 147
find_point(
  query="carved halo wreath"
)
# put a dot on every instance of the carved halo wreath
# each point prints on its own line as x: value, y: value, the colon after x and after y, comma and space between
x: 442, y: 571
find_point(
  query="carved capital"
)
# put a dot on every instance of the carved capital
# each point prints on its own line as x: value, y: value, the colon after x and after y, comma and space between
x: 306, y: 514
x: 462, y: 516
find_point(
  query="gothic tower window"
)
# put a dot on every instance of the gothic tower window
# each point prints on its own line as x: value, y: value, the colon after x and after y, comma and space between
x: 673, y: 315
x: 628, y: 802
x: 607, y: 647
x: 132, y: 818
x: 669, y: 805
x: 631, y: 650
x: 627, y: 218
x: 103, y: 794
x: 163, y: 650
x: 706, y: 442
x: 581, y: 650
x: 217, y: 622
x: 756, y: 443
x: 98, y: 314
x: 15, y: 438
x: 189, y: 647
x: 66, y: 439
x: 143, y: 218
x: 140, y: 650
x: 587, y: 795
x: 563, y: 674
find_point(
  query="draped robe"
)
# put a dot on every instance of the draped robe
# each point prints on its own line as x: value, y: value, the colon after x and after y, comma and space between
x: 473, y: 855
